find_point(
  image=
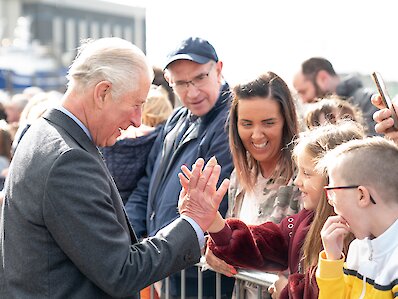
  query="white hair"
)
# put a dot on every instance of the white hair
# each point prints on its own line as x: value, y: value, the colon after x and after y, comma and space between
x: 112, y: 59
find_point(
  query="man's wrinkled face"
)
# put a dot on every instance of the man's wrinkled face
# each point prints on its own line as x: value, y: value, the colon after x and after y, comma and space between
x: 197, y: 85
x: 118, y: 114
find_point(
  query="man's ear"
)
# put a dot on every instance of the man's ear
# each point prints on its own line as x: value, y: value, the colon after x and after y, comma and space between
x: 364, y: 197
x: 166, y: 76
x: 100, y: 91
x: 219, y: 66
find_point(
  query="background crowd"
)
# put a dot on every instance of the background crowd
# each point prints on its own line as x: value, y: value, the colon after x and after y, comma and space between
x: 268, y: 140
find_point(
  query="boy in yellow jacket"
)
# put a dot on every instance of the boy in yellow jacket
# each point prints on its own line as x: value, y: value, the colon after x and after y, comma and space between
x: 363, y: 190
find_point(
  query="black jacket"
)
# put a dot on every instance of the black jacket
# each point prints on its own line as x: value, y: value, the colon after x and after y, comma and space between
x: 353, y: 90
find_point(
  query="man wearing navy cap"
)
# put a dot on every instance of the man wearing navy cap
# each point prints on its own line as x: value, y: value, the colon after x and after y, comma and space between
x: 195, y: 130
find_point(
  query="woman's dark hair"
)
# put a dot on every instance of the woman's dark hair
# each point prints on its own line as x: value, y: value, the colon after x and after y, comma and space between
x: 267, y: 86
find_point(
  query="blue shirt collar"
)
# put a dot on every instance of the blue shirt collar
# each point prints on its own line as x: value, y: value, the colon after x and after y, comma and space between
x: 81, y: 125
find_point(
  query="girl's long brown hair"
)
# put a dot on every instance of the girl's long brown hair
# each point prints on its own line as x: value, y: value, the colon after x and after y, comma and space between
x: 316, y: 143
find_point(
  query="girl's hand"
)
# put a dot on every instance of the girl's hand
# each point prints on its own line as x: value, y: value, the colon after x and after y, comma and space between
x: 219, y: 265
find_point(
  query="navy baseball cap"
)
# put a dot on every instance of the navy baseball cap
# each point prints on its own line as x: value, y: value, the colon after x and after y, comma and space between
x: 194, y: 49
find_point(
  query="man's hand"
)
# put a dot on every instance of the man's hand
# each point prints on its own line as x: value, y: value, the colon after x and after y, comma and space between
x: 384, y: 122
x: 333, y: 233
x: 199, y: 197
x: 218, y: 264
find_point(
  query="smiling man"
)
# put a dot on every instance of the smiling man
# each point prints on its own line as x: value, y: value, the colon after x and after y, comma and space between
x: 64, y: 232
x: 195, y: 130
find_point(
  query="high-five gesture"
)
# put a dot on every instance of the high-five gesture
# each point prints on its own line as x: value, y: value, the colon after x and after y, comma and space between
x: 199, y: 197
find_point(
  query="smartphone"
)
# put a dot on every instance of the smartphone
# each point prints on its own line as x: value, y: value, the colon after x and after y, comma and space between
x: 381, y: 87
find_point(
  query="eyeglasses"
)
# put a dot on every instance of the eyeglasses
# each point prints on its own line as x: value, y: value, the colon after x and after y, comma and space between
x: 332, y: 195
x: 198, y: 82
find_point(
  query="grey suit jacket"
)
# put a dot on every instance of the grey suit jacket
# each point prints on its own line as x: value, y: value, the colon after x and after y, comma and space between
x: 64, y: 230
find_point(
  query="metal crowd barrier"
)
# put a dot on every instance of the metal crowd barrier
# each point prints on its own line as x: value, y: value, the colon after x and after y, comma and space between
x: 261, y: 279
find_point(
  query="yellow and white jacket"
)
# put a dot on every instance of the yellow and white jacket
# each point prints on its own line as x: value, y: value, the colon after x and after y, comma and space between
x: 371, y: 269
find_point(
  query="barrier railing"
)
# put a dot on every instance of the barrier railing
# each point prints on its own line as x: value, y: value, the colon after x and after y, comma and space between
x: 261, y: 279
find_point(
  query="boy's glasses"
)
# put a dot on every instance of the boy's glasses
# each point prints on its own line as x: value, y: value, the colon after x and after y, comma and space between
x: 198, y: 82
x: 332, y: 195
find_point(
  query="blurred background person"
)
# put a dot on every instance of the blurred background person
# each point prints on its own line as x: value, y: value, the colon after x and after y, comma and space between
x: 5, y: 152
x: 31, y: 91
x: 14, y: 107
x: 4, y: 97
x: 317, y: 79
x: 39, y: 103
x: 157, y: 108
x: 330, y: 110
x: 159, y: 80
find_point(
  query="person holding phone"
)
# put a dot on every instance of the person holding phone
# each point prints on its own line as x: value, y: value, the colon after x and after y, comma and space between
x: 317, y: 78
x: 383, y: 118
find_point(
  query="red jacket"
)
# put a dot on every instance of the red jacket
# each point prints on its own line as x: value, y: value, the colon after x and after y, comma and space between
x: 269, y: 247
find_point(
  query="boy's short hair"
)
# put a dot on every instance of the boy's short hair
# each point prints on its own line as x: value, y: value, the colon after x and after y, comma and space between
x: 371, y: 162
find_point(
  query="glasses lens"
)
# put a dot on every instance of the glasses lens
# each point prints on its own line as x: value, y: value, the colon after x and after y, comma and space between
x: 180, y: 87
x: 201, y: 80
x: 197, y: 82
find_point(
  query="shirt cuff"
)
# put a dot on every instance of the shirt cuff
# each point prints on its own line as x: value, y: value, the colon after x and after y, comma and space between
x: 330, y: 269
x: 198, y: 230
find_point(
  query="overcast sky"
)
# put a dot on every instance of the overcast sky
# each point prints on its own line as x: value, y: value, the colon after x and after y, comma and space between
x: 254, y: 36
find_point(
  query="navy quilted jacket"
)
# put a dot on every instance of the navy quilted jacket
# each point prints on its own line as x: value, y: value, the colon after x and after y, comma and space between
x: 126, y: 161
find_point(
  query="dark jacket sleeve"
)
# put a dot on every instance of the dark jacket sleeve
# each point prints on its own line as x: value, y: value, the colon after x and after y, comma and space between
x: 102, y: 250
x: 216, y: 140
x: 261, y: 247
x: 136, y: 206
x: 219, y: 148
